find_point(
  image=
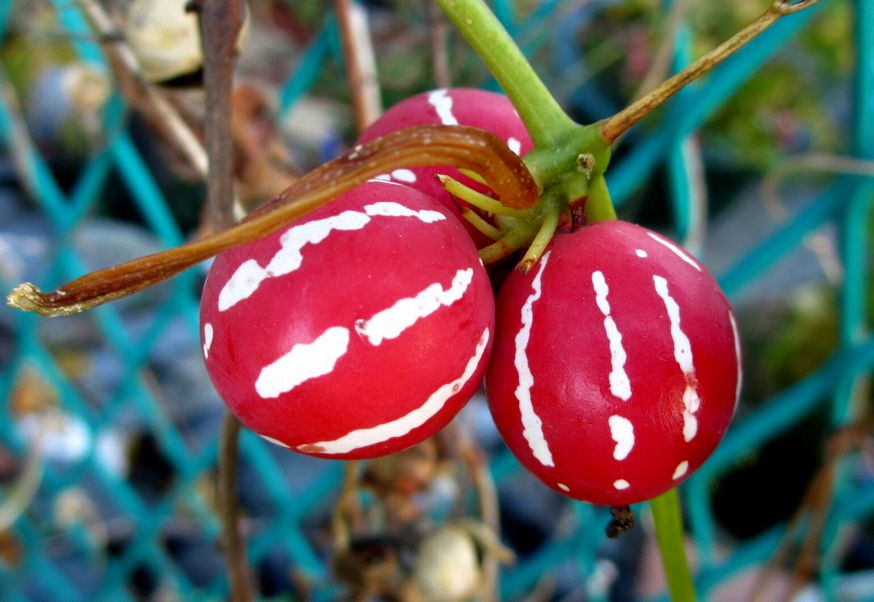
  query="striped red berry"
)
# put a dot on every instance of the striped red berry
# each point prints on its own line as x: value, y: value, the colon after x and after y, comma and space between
x: 355, y: 332
x: 482, y: 109
x: 616, y: 367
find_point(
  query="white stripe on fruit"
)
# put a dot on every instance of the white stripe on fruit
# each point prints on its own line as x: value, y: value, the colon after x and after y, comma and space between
x: 399, y: 427
x: 683, y: 357
x: 442, y: 103
x: 207, y: 339
x: 531, y: 423
x: 620, y: 385
x: 622, y: 432
x: 249, y: 275
x: 303, y: 362
x: 675, y: 250
x: 390, y: 323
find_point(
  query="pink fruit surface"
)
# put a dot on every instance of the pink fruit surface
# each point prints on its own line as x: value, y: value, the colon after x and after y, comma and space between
x: 489, y: 111
x: 352, y: 333
x: 616, y: 368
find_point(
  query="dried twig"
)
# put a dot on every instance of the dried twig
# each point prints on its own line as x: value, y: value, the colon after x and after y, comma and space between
x: 139, y: 92
x: 614, y: 126
x: 346, y: 506
x: 238, y: 565
x: 220, y: 23
x: 438, y: 28
x: 360, y: 62
x: 487, y: 495
x: 661, y: 63
x: 808, y: 162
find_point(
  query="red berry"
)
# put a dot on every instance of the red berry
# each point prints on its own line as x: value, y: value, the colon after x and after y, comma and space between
x: 355, y: 332
x: 489, y: 111
x: 616, y: 367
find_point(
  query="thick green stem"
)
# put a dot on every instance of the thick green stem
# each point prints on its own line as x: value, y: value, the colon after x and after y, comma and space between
x: 544, y: 118
x: 668, y: 520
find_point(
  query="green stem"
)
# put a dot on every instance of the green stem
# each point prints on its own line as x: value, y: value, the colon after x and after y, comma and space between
x: 599, y: 207
x: 544, y: 118
x: 671, y: 541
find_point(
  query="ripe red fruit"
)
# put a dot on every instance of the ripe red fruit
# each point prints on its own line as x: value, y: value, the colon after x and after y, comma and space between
x: 355, y: 332
x: 489, y: 111
x: 616, y: 367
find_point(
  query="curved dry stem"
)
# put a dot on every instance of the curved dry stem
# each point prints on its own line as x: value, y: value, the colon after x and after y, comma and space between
x: 423, y: 145
x: 614, y: 126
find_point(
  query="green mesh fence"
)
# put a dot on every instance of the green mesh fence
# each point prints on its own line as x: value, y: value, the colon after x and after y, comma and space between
x: 122, y: 386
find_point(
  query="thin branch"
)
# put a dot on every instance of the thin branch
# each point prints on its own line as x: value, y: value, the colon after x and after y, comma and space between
x: 360, y: 62
x: 220, y: 24
x: 438, y: 28
x: 346, y: 506
x: 238, y: 566
x: 141, y: 93
x: 614, y: 126
x: 661, y: 63
x: 487, y: 495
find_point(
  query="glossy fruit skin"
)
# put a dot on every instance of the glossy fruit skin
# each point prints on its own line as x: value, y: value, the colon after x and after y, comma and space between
x: 367, y: 325
x: 616, y: 368
x: 482, y: 109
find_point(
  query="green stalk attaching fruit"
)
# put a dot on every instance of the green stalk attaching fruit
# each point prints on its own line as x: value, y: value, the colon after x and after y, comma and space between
x: 668, y: 519
x: 541, y: 113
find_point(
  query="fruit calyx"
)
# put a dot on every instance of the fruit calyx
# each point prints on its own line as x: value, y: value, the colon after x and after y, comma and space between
x: 570, y: 175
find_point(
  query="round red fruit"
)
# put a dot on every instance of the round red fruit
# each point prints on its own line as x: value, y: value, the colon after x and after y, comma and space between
x: 482, y: 109
x: 616, y: 368
x: 352, y: 333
